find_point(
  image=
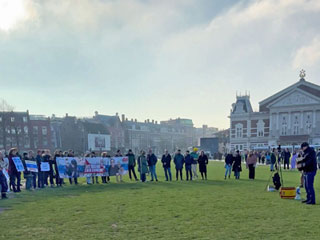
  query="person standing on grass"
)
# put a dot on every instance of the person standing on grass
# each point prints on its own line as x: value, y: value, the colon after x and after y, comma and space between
x: 94, y: 175
x: 286, y: 157
x: 178, y: 161
x: 34, y: 174
x: 105, y: 178
x: 309, y: 167
x: 188, y: 162
x: 294, y: 160
x: 251, y: 164
x: 3, y: 179
x: 203, y: 162
x: 236, y: 167
x: 142, y: 166
x: 13, y: 172
x: 152, y: 162
x: 131, y: 164
x: 228, y: 165
x: 166, y: 163
x: 26, y: 173
x: 57, y: 154
x: 195, y: 157
x: 39, y: 160
x: 70, y: 153
x: 273, y: 159
x: 47, y: 158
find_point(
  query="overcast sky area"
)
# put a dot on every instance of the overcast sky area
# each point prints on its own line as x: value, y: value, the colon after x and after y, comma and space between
x: 153, y: 59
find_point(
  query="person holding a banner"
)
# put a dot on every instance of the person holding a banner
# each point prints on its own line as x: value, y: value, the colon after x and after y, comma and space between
x: 75, y: 176
x: 57, y: 154
x: 14, y: 174
x: 166, y: 163
x: 142, y: 166
x: 3, y: 179
x: 105, y: 178
x: 27, y: 174
x: 47, y: 158
x: 39, y: 160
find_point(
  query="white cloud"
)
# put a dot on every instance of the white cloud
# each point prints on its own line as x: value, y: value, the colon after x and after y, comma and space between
x: 307, y: 56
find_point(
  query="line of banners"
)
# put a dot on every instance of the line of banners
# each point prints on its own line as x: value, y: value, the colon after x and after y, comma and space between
x: 69, y: 167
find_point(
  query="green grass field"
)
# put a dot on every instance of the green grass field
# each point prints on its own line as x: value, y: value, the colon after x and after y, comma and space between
x: 212, y: 209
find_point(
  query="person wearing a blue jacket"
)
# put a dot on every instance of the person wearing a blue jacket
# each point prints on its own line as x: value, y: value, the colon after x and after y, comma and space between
x: 166, y: 163
x: 309, y: 167
x: 188, y: 160
x: 152, y: 162
x: 179, y: 161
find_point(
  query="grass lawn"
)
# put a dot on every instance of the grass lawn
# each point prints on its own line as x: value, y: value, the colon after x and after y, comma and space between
x: 212, y: 209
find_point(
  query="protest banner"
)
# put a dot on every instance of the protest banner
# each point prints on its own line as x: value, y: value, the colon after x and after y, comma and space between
x: 31, y: 166
x: 18, y: 163
x: 69, y: 167
x: 45, y: 167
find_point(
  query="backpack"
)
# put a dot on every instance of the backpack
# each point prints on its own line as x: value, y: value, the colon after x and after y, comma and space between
x: 276, y: 181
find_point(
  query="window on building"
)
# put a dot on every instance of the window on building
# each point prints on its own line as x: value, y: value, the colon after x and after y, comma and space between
x: 12, y: 119
x: 8, y: 130
x: 239, y: 130
x: 25, y: 119
x: 260, y: 128
x: 284, y: 126
x: 19, y: 130
x: 35, y: 130
x: 308, y: 124
x: 0, y: 119
x: 45, y: 142
x: 25, y: 129
x: 13, y: 131
x: 44, y: 130
x: 296, y: 125
x: 27, y: 142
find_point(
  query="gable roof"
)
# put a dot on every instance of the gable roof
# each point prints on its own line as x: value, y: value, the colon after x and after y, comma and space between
x: 304, y: 85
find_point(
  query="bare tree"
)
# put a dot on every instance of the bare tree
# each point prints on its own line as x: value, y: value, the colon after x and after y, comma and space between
x: 5, y: 106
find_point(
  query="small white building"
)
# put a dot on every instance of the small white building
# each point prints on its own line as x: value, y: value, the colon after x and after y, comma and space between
x: 288, y: 117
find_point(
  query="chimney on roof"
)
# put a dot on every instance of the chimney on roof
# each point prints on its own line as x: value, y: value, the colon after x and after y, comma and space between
x: 66, y: 114
x: 123, y: 117
x: 96, y: 113
x: 156, y: 122
x: 131, y: 119
x: 126, y: 119
x: 136, y: 120
x: 152, y: 121
x: 117, y: 114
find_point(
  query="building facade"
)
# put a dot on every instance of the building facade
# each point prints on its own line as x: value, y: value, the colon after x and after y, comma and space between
x: 288, y: 117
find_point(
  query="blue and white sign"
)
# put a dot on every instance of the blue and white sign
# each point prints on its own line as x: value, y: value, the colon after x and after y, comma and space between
x: 45, y: 167
x: 19, y: 166
x: 31, y: 166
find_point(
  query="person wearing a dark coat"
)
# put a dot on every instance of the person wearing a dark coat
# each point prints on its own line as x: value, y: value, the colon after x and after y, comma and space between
x: 188, y: 160
x: 286, y: 157
x: 178, y: 161
x: 57, y: 154
x: 152, y: 162
x: 39, y: 159
x: 47, y: 158
x: 228, y: 165
x: 131, y: 164
x: 236, y: 167
x: 203, y: 162
x: 309, y: 167
x: 166, y: 163
x: 13, y: 172
x: 273, y: 159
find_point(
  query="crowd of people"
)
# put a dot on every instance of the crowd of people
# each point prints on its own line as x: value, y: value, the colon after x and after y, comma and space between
x: 146, y: 166
x: 306, y: 160
x: 147, y: 163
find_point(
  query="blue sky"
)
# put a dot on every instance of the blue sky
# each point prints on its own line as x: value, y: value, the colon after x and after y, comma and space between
x: 153, y: 59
